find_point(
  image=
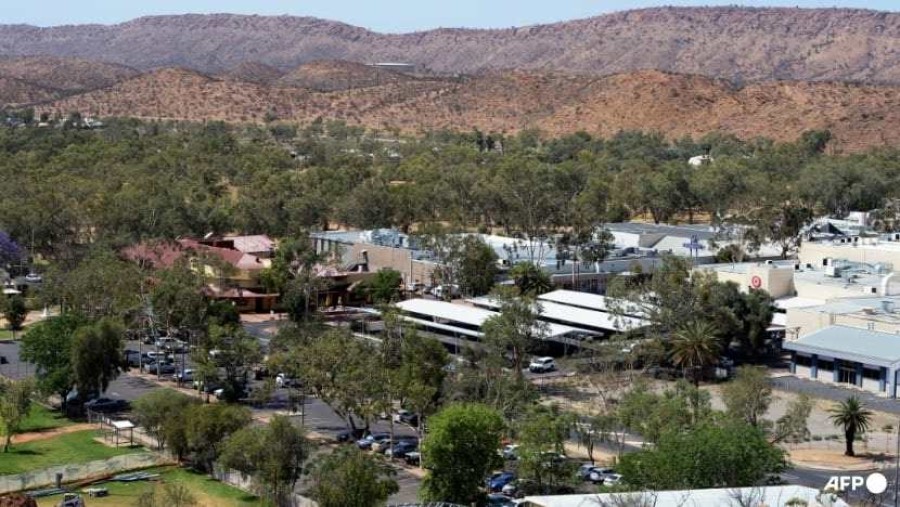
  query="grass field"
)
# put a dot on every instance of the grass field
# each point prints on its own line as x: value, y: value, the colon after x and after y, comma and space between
x: 68, y: 448
x: 6, y: 334
x: 208, y: 492
x: 41, y: 418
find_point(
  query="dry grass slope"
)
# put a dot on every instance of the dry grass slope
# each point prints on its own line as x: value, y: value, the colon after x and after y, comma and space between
x: 859, y: 116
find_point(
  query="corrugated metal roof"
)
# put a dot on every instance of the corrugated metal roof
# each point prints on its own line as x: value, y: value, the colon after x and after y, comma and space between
x: 576, y: 316
x: 465, y: 314
x: 589, y: 301
x: 775, y: 496
x: 850, y: 343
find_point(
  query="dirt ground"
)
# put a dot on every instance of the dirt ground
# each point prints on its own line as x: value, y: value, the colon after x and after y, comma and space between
x: 824, y: 449
x: 43, y: 435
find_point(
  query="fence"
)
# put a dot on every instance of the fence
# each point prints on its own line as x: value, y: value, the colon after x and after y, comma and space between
x: 245, y: 483
x: 69, y: 473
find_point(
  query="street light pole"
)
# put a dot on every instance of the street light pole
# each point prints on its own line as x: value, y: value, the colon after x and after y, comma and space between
x: 897, y: 468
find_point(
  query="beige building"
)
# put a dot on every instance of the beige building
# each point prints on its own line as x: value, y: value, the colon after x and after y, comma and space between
x: 884, y: 250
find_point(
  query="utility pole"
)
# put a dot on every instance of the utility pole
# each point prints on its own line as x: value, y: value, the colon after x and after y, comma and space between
x: 897, y: 467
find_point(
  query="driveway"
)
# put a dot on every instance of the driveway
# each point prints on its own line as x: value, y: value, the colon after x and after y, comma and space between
x: 835, y: 393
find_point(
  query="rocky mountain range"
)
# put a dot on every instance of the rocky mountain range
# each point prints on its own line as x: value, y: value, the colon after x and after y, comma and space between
x: 735, y: 43
x: 680, y: 71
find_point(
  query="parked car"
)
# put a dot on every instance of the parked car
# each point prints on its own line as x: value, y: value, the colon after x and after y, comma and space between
x: 612, y: 480
x: 542, y: 365
x: 599, y: 475
x: 161, y: 368
x: 350, y: 436
x: 33, y: 278
x: 406, y: 417
x: 186, y: 375
x: 413, y: 458
x: 135, y: 359
x: 366, y: 442
x: 387, y: 444
x: 106, y: 405
x: 401, y: 448
x: 499, y: 480
x: 510, y: 452
x: 283, y: 380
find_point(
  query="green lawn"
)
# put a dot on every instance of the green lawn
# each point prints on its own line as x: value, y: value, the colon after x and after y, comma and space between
x: 41, y: 418
x: 208, y: 492
x: 6, y: 334
x: 76, y: 447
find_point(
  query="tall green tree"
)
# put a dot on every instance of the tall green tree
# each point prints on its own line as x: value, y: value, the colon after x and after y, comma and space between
x: 852, y: 416
x: 542, y: 434
x: 159, y: 411
x: 347, y: 476
x: 272, y: 454
x: 459, y: 453
x: 207, y: 426
x: 732, y: 454
x: 515, y: 330
x: 749, y: 395
x: 96, y: 356
x: 48, y: 345
x: 15, y: 403
x: 14, y: 311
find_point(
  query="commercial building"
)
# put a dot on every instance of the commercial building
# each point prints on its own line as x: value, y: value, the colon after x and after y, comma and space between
x: 838, y: 354
x: 883, y: 250
x: 698, y: 242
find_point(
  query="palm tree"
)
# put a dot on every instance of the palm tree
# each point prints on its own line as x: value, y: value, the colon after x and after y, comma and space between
x: 854, y: 417
x: 695, y: 347
x: 530, y: 279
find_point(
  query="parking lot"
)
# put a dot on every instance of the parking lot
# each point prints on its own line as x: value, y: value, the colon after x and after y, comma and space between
x: 317, y: 417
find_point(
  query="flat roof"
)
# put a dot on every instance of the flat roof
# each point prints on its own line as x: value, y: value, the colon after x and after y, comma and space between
x: 465, y: 314
x: 774, y: 496
x: 850, y: 343
x: 577, y: 316
x: 744, y: 267
x: 797, y: 302
x: 703, y: 232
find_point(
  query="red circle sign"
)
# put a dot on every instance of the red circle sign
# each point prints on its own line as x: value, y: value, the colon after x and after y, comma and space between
x: 756, y: 282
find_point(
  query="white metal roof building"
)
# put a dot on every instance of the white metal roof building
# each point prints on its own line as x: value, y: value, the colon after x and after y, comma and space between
x: 770, y: 496
x: 590, y: 320
x: 459, y: 318
x: 585, y: 300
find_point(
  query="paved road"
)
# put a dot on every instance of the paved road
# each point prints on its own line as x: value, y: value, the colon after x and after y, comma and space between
x: 836, y: 393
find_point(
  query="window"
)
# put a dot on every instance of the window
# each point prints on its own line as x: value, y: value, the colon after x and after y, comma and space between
x: 805, y: 361
x: 872, y: 373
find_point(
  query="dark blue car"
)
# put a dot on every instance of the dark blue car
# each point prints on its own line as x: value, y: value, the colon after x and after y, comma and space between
x: 500, y: 479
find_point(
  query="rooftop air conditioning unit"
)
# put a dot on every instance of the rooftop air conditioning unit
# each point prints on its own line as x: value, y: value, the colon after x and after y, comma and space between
x: 770, y: 262
x: 868, y: 310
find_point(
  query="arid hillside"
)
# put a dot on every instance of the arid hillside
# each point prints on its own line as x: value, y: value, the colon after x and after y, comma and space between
x: 16, y: 92
x: 676, y: 105
x: 736, y: 43
x: 254, y: 72
x: 65, y: 74
x: 327, y: 75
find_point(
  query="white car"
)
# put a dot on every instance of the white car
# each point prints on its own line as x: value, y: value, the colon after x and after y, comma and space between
x: 282, y: 380
x: 184, y: 376
x: 542, y: 365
